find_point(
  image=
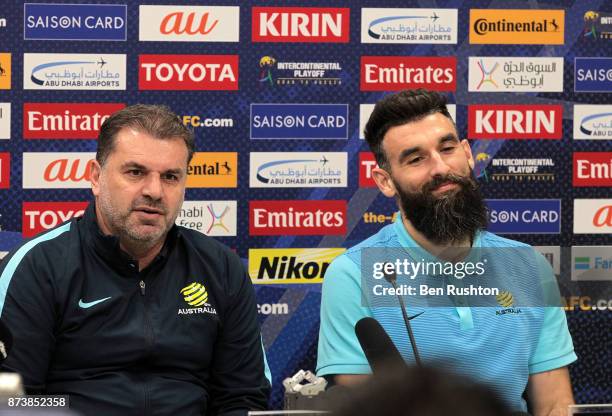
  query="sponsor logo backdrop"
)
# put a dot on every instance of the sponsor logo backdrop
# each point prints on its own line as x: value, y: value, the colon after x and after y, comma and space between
x: 278, y: 95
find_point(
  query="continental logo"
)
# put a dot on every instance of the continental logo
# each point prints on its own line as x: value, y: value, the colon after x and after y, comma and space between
x: 5, y: 71
x: 506, y: 26
x: 290, y: 265
x: 196, y: 296
x: 213, y: 170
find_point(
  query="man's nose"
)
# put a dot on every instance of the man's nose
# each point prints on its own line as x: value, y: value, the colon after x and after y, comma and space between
x: 438, y: 166
x: 153, y: 187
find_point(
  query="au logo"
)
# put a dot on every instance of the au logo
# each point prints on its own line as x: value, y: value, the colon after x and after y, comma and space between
x: 505, y: 299
x: 195, y: 294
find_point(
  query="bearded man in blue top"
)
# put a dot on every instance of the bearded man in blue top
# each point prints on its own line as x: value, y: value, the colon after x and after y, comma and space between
x: 424, y: 165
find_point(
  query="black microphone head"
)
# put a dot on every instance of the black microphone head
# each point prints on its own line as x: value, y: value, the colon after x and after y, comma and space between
x: 390, y: 277
x: 377, y: 346
x: 6, y: 341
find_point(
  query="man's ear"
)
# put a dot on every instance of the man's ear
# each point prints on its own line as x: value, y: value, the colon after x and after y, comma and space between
x: 95, y: 171
x: 468, y: 152
x: 384, y: 182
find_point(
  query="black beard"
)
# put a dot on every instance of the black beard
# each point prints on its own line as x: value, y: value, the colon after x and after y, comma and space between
x: 450, y: 218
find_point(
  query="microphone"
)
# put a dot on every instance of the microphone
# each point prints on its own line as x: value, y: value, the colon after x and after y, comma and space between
x: 6, y: 341
x: 379, y: 350
x: 392, y: 278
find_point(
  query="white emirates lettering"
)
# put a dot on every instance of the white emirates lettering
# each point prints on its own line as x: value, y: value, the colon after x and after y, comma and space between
x: 38, y: 121
x: 589, y: 170
x: 298, y: 219
x: 401, y: 74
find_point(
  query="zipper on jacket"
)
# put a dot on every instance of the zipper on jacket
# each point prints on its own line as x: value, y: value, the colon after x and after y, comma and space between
x: 149, y: 339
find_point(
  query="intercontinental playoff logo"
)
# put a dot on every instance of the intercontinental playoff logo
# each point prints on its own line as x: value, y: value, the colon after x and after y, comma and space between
x: 513, y: 169
x: 272, y: 72
x: 266, y: 65
x: 597, y: 25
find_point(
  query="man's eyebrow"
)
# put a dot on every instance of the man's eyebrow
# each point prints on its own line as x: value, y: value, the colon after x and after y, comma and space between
x: 176, y: 171
x: 131, y: 164
x: 404, y: 154
x: 448, y: 138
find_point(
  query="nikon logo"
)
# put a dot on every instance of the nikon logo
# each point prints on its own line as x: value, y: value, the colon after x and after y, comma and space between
x: 301, y: 265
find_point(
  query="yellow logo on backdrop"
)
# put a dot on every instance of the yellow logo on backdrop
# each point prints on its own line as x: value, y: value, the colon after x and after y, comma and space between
x: 213, y: 170
x: 509, y: 26
x: 5, y: 71
x: 290, y: 265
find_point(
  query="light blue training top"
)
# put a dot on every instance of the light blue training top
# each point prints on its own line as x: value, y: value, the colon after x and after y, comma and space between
x: 492, y: 345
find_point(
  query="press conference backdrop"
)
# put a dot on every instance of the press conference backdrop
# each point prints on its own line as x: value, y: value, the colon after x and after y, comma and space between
x: 278, y: 94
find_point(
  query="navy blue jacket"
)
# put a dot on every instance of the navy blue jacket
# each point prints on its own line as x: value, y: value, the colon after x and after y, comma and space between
x: 179, y: 337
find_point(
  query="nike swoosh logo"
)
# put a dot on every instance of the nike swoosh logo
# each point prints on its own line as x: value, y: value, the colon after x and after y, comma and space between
x: 86, y: 305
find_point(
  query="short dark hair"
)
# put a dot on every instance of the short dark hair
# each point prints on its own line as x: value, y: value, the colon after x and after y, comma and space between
x: 155, y: 120
x: 397, y: 109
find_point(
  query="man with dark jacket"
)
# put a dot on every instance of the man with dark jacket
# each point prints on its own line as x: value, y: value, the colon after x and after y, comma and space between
x: 124, y: 311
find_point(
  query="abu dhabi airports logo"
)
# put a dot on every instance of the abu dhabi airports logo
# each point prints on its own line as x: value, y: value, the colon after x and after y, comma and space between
x: 274, y: 72
x: 597, y: 25
x: 48, y: 71
x: 592, y: 122
x: 298, y: 170
x: 514, y: 169
x: 196, y: 296
x: 409, y: 26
